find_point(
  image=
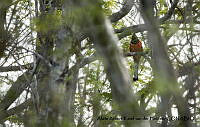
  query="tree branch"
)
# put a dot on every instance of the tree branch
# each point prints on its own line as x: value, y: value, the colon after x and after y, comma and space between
x: 186, y: 69
x: 15, y: 90
x: 18, y: 109
x: 126, y: 31
x: 170, y: 12
x: 165, y: 78
x: 127, y: 54
x: 16, y: 68
x: 127, y: 6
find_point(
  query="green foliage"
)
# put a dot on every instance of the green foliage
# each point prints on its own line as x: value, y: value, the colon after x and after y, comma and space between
x: 162, y: 7
x: 107, y: 96
x: 148, y: 89
x: 107, y: 6
x: 163, y: 11
x: 125, y: 46
x: 48, y: 22
x: 15, y: 119
x: 118, y: 25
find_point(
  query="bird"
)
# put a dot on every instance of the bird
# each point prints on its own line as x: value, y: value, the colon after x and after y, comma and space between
x: 136, y: 46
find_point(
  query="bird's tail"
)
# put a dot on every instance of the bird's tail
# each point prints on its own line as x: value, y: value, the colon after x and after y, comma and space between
x: 135, y: 77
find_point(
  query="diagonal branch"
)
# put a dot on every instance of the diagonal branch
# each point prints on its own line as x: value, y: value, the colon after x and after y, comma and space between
x: 127, y: 6
x: 126, y: 31
x: 170, y: 12
x: 15, y: 91
x: 6, y: 113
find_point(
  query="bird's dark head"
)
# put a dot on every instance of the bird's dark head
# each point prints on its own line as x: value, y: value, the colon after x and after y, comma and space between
x: 134, y: 39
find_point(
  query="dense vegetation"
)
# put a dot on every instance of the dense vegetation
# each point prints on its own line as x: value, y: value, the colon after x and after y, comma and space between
x: 67, y: 63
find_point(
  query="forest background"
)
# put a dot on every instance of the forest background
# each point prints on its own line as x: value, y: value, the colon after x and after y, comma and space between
x: 67, y: 63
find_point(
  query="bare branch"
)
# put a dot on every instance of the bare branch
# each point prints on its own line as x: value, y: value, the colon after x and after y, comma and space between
x: 170, y: 12
x: 186, y: 69
x: 127, y: 6
x: 16, y: 68
x: 18, y: 109
x: 135, y: 53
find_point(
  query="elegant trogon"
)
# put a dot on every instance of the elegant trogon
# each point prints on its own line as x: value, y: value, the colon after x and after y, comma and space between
x: 136, y: 46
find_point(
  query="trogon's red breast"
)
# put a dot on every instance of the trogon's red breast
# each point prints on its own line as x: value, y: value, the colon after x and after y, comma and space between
x: 136, y: 47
